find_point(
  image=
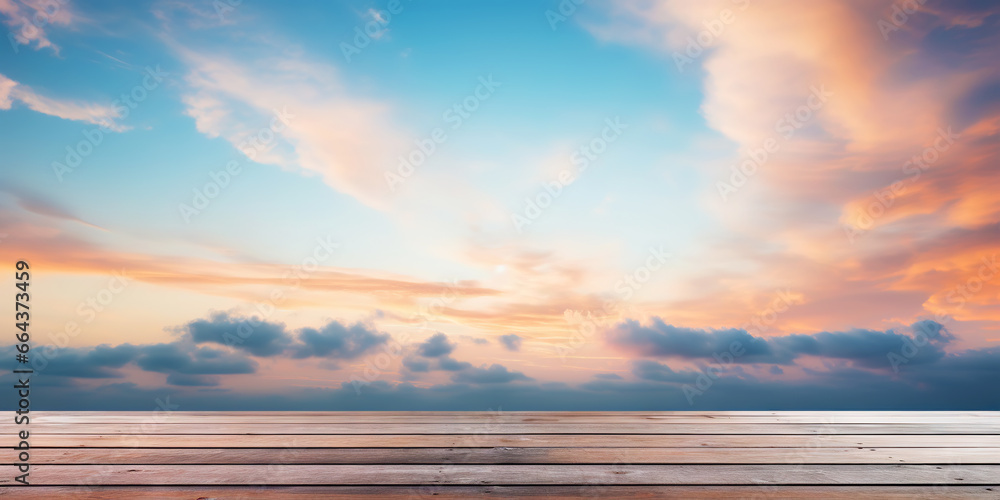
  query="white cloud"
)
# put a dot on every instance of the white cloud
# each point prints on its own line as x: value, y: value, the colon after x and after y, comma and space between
x: 28, y: 20
x: 98, y: 114
x: 345, y: 139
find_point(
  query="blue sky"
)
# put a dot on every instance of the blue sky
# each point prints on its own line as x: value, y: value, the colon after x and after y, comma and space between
x: 583, y: 166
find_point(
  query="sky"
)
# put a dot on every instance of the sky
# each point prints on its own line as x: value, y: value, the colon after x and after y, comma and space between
x: 526, y: 205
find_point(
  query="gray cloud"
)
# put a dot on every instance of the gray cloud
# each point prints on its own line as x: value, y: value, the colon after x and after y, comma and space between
x: 495, y: 374
x: 436, y: 346
x: 265, y: 339
x: 954, y: 382
x: 337, y: 341
x: 252, y: 335
x: 177, y: 358
x: 188, y: 380
x: 864, y: 348
x: 101, y: 361
x: 651, y: 370
x: 942, y: 381
x: 511, y: 341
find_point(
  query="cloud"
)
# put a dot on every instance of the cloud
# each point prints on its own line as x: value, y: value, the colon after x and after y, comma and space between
x: 651, y: 370
x: 28, y: 21
x: 415, y: 364
x: 436, y: 346
x: 864, y: 348
x: 338, y: 341
x: 450, y: 364
x: 41, y: 205
x: 867, y: 348
x: 951, y: 383
x: 189, y: 380
x: 266, y: 339
x: 511, y: 341
x: 183, y: 362
x: 179, y: 358
x: 347, y: 140
x: 434, y: 354
x: 853, y: 186
x: 254, y: 336
x: 495, y: 374
x: 12, y: 92
x: 662, y: 340
x: 102, y: 361
x: 64, y: 252
x: 6, y: 89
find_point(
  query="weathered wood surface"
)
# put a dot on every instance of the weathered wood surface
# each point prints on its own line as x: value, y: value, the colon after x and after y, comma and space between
x: 437, y: 492
x: 311, y: 455
x: 506, y: 455
x: 510, y: 440
x: 277, y: 427
x: 503, y: 474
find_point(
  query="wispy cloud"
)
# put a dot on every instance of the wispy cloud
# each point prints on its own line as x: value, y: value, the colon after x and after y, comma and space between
x: 12, y: 92
x: 345, y: 139
x: 29, y: 20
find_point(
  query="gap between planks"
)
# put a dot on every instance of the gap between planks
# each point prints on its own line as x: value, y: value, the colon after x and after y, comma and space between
x: 538, y: 492
x: 277, y: 427
x: 346, y: 456
x: 632, y: 474
x: 495, y: 440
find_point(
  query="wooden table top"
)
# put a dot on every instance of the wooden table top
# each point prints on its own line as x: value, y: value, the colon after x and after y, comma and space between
x: 312, y: 455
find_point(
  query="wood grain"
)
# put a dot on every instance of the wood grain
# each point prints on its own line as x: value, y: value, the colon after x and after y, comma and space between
x: 277, y: 427
x: 494, y: 440
x: 506, y: 455
x: 394, y: 455
x: 438, y: 492
x: 547, y: 474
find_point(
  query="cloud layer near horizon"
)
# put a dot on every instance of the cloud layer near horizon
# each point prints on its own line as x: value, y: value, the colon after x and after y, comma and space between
x: 731, y: 370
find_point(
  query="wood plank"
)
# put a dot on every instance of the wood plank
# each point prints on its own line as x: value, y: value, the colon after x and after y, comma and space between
x: 159, y: 456
x: 489, y: 454
x: 493, y: 440
x: 502, y: 417
x: 153, y: 427
x: 538, y: 492
x: 60, y: 475
x: 972, y: 413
